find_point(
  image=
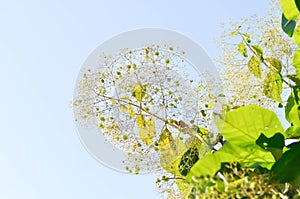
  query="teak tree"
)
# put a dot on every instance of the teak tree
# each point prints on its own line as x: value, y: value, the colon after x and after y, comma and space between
x: 143, y: 104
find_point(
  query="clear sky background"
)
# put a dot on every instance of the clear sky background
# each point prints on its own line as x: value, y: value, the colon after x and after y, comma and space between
x: 42, y: 47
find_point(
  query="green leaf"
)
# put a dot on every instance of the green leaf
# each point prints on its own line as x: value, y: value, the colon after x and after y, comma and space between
x: 258, y: 51
x: 189, y: 158
x: 211, y: 163
x: 294, y: 115
x: 286, y: 169
x: 296, y: 94
x: 273, y: 144
x: 294, y: 78
x: 288, y: 107
x: 293, y: 132
x: 292, y: 112
x: 241, y: 128
x: 242, y: 49
x: 297, y: 36
x: 254, y: 66
x: 298, y: 4
x: 201, y: 131
x: 275, y: 63
x: 288, y: 26
x: 273, y: 86
x: 244, y: 125
x: 290, y: 9
x: 296, y: 62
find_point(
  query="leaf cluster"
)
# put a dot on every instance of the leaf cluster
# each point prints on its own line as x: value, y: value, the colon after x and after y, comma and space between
x: 257, y: 152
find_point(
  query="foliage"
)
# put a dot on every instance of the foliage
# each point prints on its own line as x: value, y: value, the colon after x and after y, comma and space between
x: 239, y: 73
x: 241, y: 182
x: 251, y: 157
x: 146, y: 104
x: 251, y: 140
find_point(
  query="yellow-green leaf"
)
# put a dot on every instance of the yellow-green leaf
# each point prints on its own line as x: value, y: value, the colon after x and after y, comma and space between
x: 147, y: 132
x: 288, y: 107
x: 165, y: 139
x: 258, y: 51
x: 140, y: 121
x: 290, y: 9
x: 138, y: 91
x: 294, y: 115
x: 123, y: 108
x: 171, y: 151
x: 167, y: 149
x: 275, y: 63
x: 254, y: 66
x: 232, y: 33
x: 241, y: 128
x: 297, y: 35
x: 113, y: 101
x: 273, y: 86
x: 125, y: 97
x: 296, y: 62
x: 242, y: 49
x: 131, y: 111
x: 202, y: 131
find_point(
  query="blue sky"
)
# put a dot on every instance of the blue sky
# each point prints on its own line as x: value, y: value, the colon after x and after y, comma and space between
x: 42, y: 47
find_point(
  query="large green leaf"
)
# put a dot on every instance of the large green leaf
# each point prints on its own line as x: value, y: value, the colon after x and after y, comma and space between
x: 254, y: 66
x: 241, y: 128
x: 290, y: 9
x: 244, y: 125
x: 273, y: 86
x: 247, y: 156
x: 296, y: 62
x: 211, y: 163
x: 286, y: 169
